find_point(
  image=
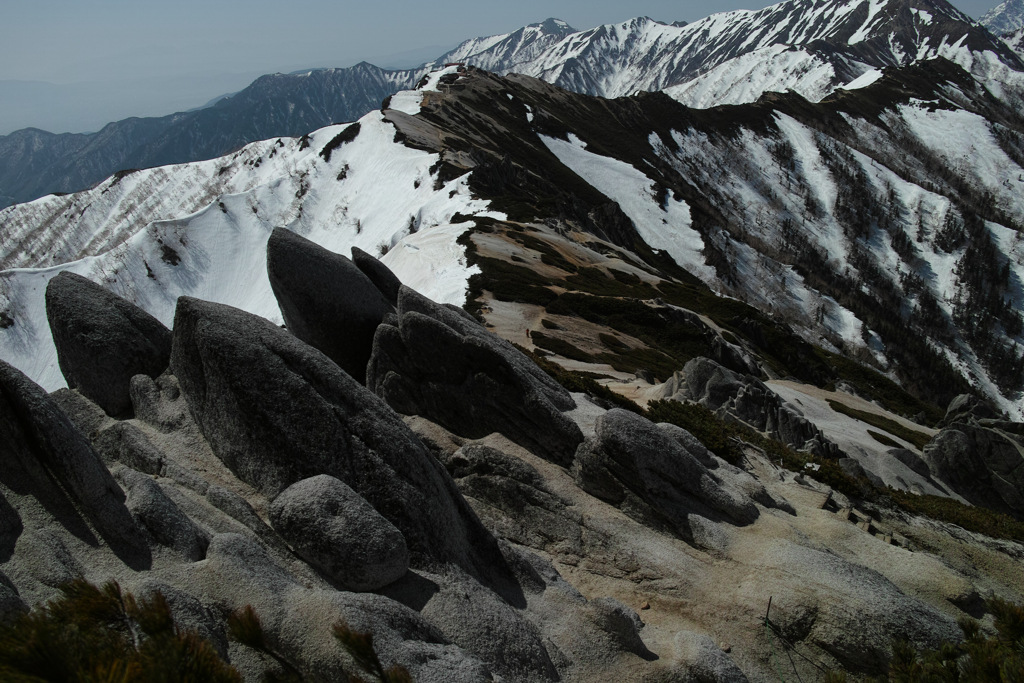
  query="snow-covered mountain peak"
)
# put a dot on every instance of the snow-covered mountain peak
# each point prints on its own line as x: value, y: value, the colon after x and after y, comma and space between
x: 811, y: 46
x: 1005, y: 18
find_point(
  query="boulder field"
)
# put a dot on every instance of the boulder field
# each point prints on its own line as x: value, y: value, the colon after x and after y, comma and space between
x: 387, y: 462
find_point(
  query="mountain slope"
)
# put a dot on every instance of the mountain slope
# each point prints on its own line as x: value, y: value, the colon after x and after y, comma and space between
x: 1005, y: 18
x: 859, y: 223
x: 846, y: 38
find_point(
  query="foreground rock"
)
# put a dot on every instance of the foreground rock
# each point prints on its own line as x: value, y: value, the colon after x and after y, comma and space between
x: 46, y: 457
x: 636, y: 466
x: 334, y: 529
x: 325, y: 299
x: 749, y: 400
x: 103, y: 341
x: 277, y: 411
x: 439, y: 363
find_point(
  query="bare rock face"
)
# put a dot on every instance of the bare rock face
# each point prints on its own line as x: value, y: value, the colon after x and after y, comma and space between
x: 103, y: 341
x: 441, y: 364
x: 703, y: 661
x: 45, y: 456
x: 747, y: 399
x: 276, y: 411
x: 334, y: 529
x: 326, y: 300
x: 381, y: 276
x: 983, y: 461
x: 634, y: 465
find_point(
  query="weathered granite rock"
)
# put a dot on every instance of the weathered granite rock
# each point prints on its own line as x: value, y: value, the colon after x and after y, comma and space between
x: 10, y: 528
x: 296, y: 618
x: 620, y: 622
x: 747, y: 399
x: 103, y: 341
x: 155, y: 401
x: 850, y: 611
x: 968, y: 408
x: 983, y: 461
x: 514, y: 501
x: 381, y: 276
x: 477, y: 619
x: 277, y: 411
x: 325, y: 299
x: 334, y: 529
x: 446, y: 367
x: 167, y: 524
x: 46, y: 456
x: 239, y: 509
x: 634, y: 465
x: 11, y: 604
x: 124, y: 442
x: 912, y: 460
x: 702, y: 661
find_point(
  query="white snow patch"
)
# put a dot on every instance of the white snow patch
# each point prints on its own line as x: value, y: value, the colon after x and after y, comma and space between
x: 433, y: 263
x: 667, y: 229
x: 874, y: 7
x: 409, y: 101
x: 864, y: 80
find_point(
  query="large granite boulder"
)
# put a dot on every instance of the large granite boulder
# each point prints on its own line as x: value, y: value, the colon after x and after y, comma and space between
x: 325, y: 299
x: 749, y: 400
x: 45, y: 456
x: 438, y: 362
x: 277, y: 411
x: 334, y: 529
x: 634, y: 465
x: 983, y: 461
x: 103, y: 341
x: 381, y: 276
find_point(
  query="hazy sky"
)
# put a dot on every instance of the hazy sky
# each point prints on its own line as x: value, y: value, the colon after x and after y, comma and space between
x: 220, y: 45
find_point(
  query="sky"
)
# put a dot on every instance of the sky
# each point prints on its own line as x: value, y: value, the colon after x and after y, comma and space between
x: 68, y: 61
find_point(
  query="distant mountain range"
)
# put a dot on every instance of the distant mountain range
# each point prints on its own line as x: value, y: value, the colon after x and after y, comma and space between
x: 1005, y: 18
x: 727, y: 58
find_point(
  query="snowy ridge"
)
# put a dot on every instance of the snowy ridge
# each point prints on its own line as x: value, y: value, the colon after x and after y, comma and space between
x: 772, y: 69
x: 1016, y: 41
x: 1005, y: 18
x: 373, y: 193
x: 744, y: 52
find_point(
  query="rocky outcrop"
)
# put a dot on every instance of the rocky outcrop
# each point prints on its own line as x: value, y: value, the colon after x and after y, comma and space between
x: 103, y: 341
x: 511, y: 497
x: 983, y: 461
x: 276, y: 411
x: 334, y: 529
x: 749, y: 400
x: 440, y: 363
x: 968, y: 408
x: 634, y: 465
x: 381, y: 276
x: 166, y: 523
x: 705, y: 662
x: 11, y: 604
x: 45, y: 456
x: 325, y: 299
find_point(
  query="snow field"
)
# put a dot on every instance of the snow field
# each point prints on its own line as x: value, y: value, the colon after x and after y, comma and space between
x: 667, y: 229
